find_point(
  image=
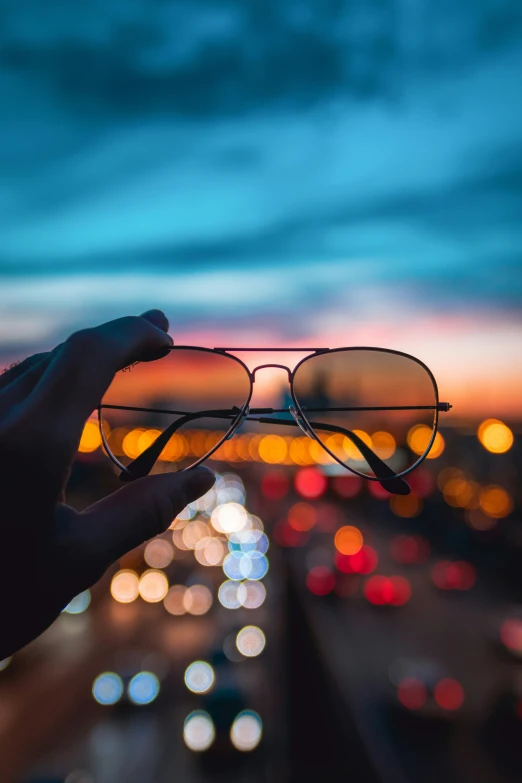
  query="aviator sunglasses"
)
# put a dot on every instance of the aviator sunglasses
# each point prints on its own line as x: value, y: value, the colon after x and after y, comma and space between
x: 360, y: 404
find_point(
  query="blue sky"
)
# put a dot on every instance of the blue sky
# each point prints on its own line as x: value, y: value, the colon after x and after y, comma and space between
x: 347, y: 218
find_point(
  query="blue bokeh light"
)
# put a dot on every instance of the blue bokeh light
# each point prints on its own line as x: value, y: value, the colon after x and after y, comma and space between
x: 107, y: 688
x: 143, y: 688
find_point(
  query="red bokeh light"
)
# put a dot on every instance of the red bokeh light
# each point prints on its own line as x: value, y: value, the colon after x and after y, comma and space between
x: 377, y: 590
x: 453, y: 576
x: 320, y: 580
x: 411, y: 693
x: 275, y: 485
x: 449, y: 694
x: 310, y: 483
x: 347, y: 486
x: 363, y: 562
x: 401, y: 591
x: 383, y: 590
x: 302, y: 516
x: 511, y: 634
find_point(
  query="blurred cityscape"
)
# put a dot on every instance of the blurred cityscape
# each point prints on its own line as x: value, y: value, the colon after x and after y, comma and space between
x: 296, y: 619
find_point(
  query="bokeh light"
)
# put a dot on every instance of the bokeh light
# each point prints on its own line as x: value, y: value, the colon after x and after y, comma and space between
x: 310, y: 483
x: 79, y: 603
x: 275, y: 485
x: 158, y: 553
x: 387, y: 591
x: 210, y: 551
x: 320, y: 580
x: 107, y: 688
x: 250, y: 641
x: 153, y: 586
x: 90, y: 439
x: 199, y: 677
x: 302, y: 516
x: 406, y: 506
x: 348, y: 540
x: 130, y: 443
x: 495, y: 436
x: 246, y: 731
x: 251, y: 594
x: 383, y: 444
x: 199, y: 732
x: 362, y: 562
x: 418, y: 440
x: 197, y: 600
x: 272, y: 449
x: 511, y: 635
x: 193, y: 532
x: 173, y: 601
x: 412, y: 693
x: 495, y: 501
x: 228, y: 594
x: 143, y: 688
x: 449, y: 694
x: 350, y: 449
x: 458, y: 575
x: 229, y: 518
x: 125, y: 586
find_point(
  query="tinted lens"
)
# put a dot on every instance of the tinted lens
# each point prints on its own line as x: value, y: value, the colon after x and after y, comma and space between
x: 335, y: 390
x: 154, y: 400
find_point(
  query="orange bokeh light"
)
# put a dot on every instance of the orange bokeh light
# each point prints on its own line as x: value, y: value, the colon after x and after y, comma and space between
x: 91, y: 438
x: 348, y: 540
x: 419, y: 438
x: 125, y: 586
x: 495, y: 502
x: 495, y: 436
x: 153, y: 586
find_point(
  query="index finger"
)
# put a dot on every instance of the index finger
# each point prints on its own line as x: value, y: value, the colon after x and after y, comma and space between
x: 78, y: 376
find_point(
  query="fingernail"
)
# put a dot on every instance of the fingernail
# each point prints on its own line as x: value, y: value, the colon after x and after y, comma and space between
x: 198, y: 481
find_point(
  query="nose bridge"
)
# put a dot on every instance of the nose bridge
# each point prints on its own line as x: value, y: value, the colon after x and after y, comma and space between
x: 280, y: 366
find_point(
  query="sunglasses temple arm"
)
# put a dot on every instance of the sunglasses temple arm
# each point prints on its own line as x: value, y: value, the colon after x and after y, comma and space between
x: 143, y: 464
x: 390, y: 481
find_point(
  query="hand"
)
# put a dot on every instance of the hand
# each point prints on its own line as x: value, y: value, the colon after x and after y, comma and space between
x: 51, y: 552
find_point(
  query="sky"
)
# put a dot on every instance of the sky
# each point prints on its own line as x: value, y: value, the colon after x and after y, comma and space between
x: 263, y: 201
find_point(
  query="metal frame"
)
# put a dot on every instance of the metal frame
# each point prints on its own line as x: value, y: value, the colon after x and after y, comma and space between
x: 393, y: 482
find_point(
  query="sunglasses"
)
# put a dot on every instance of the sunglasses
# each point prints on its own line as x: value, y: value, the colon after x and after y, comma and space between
x: 373, y: 411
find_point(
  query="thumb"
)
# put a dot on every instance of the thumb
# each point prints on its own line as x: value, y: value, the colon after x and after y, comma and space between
x: 140, y: 511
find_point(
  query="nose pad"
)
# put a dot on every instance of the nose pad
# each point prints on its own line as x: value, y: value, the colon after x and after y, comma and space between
x: 301, y: 423
x: 240, y: 422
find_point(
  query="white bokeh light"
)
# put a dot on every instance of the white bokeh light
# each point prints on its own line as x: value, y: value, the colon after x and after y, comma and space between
x: 246, y: 731
x: 229, y: 518
x: 228, y: 595
x: 251, y: 594
x: 251, y: 641
x: 199, y: 731
x: 199, y: 677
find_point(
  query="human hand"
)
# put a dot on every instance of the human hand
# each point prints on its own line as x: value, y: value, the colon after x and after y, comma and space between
x: 52, y: 552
